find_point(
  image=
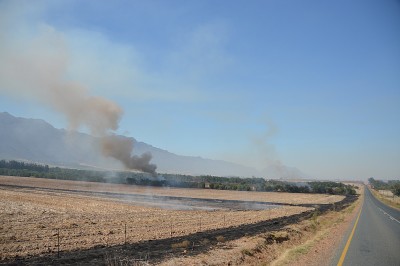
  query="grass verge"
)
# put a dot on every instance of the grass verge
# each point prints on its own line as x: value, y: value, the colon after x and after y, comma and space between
x: 385, y: 199
x: 322, y: 226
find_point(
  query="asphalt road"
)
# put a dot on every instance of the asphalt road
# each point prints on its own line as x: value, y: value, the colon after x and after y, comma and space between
x: 376, y: 239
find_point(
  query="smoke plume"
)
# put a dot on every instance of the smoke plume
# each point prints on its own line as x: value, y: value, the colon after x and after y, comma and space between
x: 35, y: 66
x: 120, y: 147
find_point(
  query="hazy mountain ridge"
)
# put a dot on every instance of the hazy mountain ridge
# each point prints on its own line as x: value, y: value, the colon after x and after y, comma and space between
x: 38, y: 141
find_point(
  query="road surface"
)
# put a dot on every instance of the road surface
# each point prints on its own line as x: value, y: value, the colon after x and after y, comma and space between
x: 376, y: 236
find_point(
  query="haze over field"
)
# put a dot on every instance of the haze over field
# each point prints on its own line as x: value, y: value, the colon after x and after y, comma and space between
x: 266, y: 84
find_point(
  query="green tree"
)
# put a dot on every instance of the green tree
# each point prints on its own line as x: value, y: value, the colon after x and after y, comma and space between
x: 396, y: 189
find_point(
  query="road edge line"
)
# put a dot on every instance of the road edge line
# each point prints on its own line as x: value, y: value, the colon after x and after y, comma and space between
x: 343, y: 256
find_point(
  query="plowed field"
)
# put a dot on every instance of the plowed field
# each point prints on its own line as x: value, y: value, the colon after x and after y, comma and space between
x: 39, y: 216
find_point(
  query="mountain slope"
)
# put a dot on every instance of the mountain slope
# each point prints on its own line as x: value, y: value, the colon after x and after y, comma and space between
x: 36, y: 140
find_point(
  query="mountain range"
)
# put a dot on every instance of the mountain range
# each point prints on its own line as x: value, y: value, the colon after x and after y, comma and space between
x: 35, y: 140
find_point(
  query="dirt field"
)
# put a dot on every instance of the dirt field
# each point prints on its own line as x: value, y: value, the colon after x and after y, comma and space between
x: 289, y: 198
x: 38, y: 215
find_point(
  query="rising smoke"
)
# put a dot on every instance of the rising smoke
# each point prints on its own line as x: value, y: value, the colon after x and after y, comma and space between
x: 35, y: 66
x: 120, y: 148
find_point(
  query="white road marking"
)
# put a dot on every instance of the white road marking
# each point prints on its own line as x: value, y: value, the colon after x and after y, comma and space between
x: 390, y: 216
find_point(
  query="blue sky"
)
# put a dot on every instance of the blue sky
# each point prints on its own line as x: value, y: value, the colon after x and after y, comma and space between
x: 309, y: 84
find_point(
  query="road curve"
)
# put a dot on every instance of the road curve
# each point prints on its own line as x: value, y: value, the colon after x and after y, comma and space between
x: 376, y: 239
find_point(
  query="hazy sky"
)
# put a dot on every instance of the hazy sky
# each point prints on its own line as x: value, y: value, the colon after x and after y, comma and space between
x: 310, y: 84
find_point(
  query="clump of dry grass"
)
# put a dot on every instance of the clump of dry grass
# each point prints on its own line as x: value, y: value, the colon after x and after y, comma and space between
x: 247, y: 252
x: 183, y: 244
x: 314, y: 221
x: 220, y: 239
x: 205, y: 242
x: 277, y: 237
x: 114, y: 260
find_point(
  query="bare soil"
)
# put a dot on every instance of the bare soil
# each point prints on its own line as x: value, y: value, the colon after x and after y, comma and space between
x: 311, y: 241
x: 38, y: 216
x: 273, y: 197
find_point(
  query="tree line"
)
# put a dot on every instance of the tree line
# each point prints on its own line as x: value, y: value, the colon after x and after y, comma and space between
x: 392, y: 185
x: 15, y: 168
